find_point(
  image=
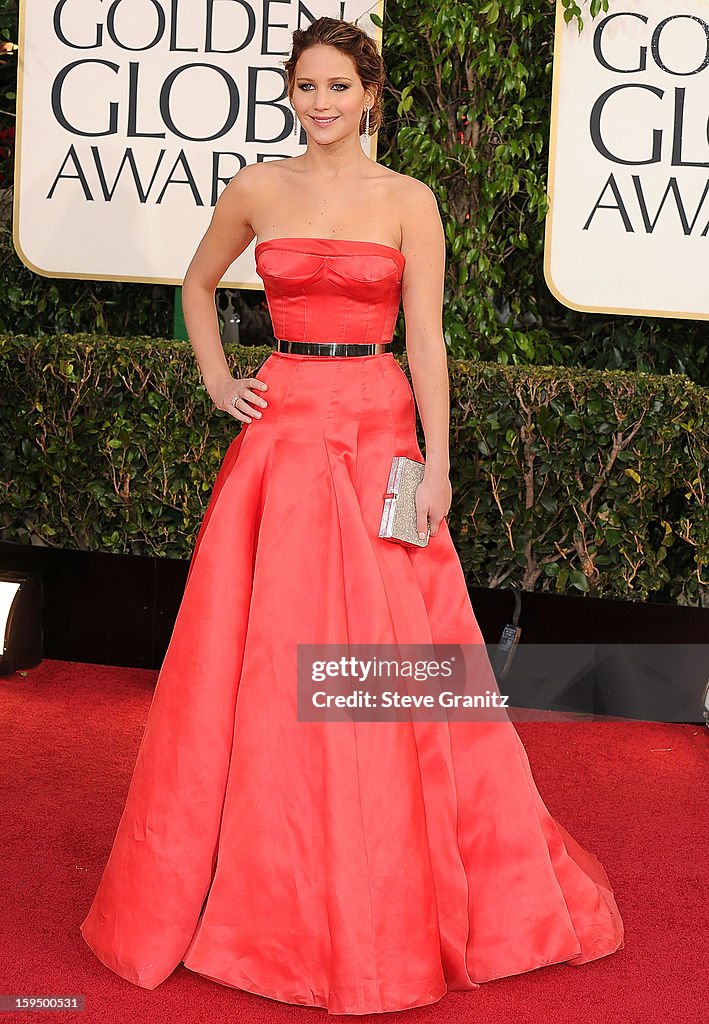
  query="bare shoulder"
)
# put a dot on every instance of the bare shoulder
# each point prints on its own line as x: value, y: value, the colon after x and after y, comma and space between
x: 244, y: 186
x: 419, y: 216
x: 416, y: 196
x: 251, y: 179
x: 422, y: 240
x: 254, y: 185
x: 412, y: 199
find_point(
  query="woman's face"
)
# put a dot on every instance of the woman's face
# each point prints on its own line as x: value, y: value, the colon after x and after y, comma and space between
x: 328, y: 95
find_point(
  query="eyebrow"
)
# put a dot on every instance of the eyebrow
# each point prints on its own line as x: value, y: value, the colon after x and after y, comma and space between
x: 335, y: 78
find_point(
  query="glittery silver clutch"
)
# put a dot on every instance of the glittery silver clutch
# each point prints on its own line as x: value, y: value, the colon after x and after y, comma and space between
x: 399, y: 514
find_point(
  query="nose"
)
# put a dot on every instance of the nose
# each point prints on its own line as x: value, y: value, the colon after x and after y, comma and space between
x: 321, y: 103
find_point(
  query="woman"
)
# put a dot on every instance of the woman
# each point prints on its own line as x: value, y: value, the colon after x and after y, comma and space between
x: 361, y: 866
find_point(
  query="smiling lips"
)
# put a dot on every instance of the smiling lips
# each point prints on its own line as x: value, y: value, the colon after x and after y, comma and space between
x: 324, y: 120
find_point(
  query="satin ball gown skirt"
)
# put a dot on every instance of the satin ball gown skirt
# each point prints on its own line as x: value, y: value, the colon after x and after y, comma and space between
x: 360, y: 866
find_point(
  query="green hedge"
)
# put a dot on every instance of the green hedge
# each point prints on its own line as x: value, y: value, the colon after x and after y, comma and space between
x: 563, y: 480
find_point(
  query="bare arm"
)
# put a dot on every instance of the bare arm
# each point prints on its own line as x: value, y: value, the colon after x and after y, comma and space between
x: 227, y: 236
x: 422, y: 294
x: 423, y: 244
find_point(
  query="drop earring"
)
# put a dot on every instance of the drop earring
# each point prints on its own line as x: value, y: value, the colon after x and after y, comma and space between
x: 366, y: 123
x: 296, y: 124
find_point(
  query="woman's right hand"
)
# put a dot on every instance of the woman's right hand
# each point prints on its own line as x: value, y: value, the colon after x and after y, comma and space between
x: 242, y: 391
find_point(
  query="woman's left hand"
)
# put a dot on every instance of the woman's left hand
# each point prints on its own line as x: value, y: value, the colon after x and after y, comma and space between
x: 433, y: 501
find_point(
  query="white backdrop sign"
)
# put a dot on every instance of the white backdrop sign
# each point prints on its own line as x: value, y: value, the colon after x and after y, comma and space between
x: 132, y: 117
x: 628, y: 225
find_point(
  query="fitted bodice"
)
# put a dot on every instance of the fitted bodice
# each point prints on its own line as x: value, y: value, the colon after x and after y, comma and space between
x: 331, y: 289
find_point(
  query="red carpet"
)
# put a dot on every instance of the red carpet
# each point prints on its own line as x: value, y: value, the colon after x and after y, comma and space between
x: 70, y: 736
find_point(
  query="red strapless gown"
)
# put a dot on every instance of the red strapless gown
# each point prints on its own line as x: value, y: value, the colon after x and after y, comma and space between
x: 361, y: 866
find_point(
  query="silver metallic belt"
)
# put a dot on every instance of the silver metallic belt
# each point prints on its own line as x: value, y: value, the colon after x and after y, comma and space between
x: 331, y: 348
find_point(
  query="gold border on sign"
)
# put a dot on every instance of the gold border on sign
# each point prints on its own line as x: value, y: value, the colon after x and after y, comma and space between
x: 560, y: 27
x: 176, y: 281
